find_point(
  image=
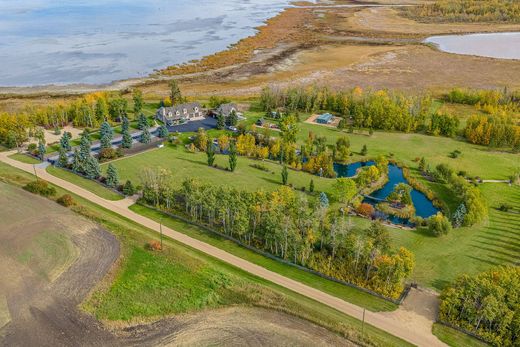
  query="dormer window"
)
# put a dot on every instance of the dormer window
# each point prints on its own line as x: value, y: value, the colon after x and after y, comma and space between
x: 196, y: 109
x: 178, y: 113
x: 185, y: 111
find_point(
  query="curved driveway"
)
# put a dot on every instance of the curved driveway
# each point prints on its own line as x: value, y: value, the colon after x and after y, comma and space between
x: 388, y: 321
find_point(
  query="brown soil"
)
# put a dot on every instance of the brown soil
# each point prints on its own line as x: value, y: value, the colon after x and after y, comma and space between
x: 39, y: 304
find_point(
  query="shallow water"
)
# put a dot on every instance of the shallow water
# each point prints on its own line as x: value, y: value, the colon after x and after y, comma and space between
x: 94, y: 41
x: 493, y: 45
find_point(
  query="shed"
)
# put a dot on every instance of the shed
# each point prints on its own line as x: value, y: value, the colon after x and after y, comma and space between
x: 325, y: 118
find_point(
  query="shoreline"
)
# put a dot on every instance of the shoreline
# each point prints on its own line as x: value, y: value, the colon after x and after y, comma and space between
x: 296, y: 29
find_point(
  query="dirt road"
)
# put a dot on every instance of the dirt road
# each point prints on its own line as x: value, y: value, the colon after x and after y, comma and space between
x: 390, y: 323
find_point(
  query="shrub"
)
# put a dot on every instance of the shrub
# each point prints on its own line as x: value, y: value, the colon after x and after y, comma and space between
x: 154, y: 246
x: 40, y: 187
x: 129, y: 189
x: 107, y: 154
x: 365, y: 209
x: 66, y: 200
x: 439, y: 225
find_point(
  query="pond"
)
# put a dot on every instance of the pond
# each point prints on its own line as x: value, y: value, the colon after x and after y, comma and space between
x: 492, y: 45
x: 349, y: 170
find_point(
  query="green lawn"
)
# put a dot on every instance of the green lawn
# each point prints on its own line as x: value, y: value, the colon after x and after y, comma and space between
x: 455, y: 338
x: 89, y: 185
x: 146, y: 282
x: 25, y: 158
x: 184, y: 164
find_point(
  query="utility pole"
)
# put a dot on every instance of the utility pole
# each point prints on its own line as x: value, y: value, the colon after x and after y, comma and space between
x: 363, y: 324
x: 160, y: 230
x: 35, y: 174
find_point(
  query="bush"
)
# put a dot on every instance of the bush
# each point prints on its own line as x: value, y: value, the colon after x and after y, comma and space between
x: 40, y: 187
x: 129, y: 189
x: 66, y: 200
x: 439, y: 225
x: 154, y: 246
x: 505, y: 207
x: 107, y: 154
x: 365, y: 209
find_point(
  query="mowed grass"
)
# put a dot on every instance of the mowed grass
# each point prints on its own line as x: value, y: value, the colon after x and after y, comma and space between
x: 184, y: 164
x: 87, y: 184
x: 455, y: 338
x: 344, y: 292
x: 140, y: 281
x: 439, y: 260
x: 24, y: 158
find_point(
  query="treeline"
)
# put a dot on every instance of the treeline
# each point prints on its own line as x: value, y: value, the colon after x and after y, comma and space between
x: 467, y: 11
x: 491, y: 101
x: 288, y: 225
x: 381, y: 109
x: 493, y: 131
x: 487, y: 304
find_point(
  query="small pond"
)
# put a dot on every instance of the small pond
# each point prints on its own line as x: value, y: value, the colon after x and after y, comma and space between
x: 492, y: 45
x: 423, y: 206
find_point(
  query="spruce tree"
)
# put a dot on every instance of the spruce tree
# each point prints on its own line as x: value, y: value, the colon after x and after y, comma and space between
x: 41, y: 151
x: 91, y: 168
x: 127, y: 138
x: 84, y: 147
x: 65, y: 141
x: 232, y: 118
x: 142, y: 122
x: 175, y: 93
x: 163, y: 132
x: 324, y: 200
x: 146, y: 138
x: 62, y: 159
x: 210, y: 152
x: 422, y: 164
x: 364, y: 150
x: 77, y: 163
x: 221, y: 122
x: 107, y: 134
x: 459, y: 215
x: 285, y: 175
x: 138, y: 102
x: 232, y: 157
x: 112, y: 177
x: 311, y: 186
x: 128, y: 188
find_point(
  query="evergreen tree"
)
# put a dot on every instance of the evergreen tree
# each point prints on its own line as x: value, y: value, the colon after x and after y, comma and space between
x: 210, y: 152
x: 163, y: 132
x: 221, y: 122
x: 459, y: 215
x: 311, y: 186
x: 145, y: 136
x: 364, y: 150
x: 175, y: 93
x: 77, y: 163
x: 422, y: 165
x: 107, y: 134
x: 232, y: 157
x: 128, y: 188
x: 324, y: 200
x: 112, y: 177
x: 127, y: 138
x: 41, y: 151
x: 84, y: 147
x: 142, y: 122
x: 65, y: 141
x: 91, y: 168
x: 138, y: 101
x: 232, y: 118
x: 62, y: 159
x: 285, y: 175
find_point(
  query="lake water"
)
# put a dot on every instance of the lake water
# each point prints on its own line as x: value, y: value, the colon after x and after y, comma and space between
x: 94, y: 41
x: 493, y: 45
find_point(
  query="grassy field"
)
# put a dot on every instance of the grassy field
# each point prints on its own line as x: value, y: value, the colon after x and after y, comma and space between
x: 87, y: 184
x: 184, y: 164
x: 25, y: 158
x: 454, y: 338
x: 140, y: 281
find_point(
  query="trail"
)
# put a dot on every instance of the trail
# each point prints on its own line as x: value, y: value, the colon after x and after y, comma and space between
x: 400, y: 323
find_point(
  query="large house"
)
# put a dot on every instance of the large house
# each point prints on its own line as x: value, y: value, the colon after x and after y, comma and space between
x: 179, y: 114
x: 226, y: 110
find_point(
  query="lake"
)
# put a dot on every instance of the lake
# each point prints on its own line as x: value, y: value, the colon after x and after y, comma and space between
x: 95, y: 42
x: 493, y: 45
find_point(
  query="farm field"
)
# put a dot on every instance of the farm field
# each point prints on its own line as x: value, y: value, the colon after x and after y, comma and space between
x: 138, y: 279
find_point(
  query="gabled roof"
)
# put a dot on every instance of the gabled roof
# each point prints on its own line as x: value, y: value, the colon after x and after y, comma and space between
x: 226, y: 109
x: 189, y: 107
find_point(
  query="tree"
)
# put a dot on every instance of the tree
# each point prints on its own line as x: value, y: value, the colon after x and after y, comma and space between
x: 221, y: 122
x: 77, y: 163
x: 285, y: 175
x: 210, y: 152
x: 163, y: 132
x: 324, y: 200
x: 101, y: 110
x: 127, y: 138
x: 344, y: 190
x: 117, y: 108
x: 311, y: 186
x: 91, y: 168
x: 379, y: 235
x: 223, y: 142
x: 175, y: 93
x: 289, y: 129
x: 65, y: 140
x: 232, y: 157
x: 459, y: 215
x: 232, y: 119
x: 107, y: 134
x: 112, y: 177
x: 422, y: 164
x: 142, y: 122
x: 63, y: 161
x: 128, y: 188
x: 146, y: 137
x: 84, y: 147
x: 138, y: 101
x: 364, y: 150
x: 41, y: 151
x: 342, y: 149
x: 439, y: 225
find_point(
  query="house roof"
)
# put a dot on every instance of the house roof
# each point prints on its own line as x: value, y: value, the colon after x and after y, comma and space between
x: 190, y: 107
x: 325, y: 117
x: 226, y: 109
